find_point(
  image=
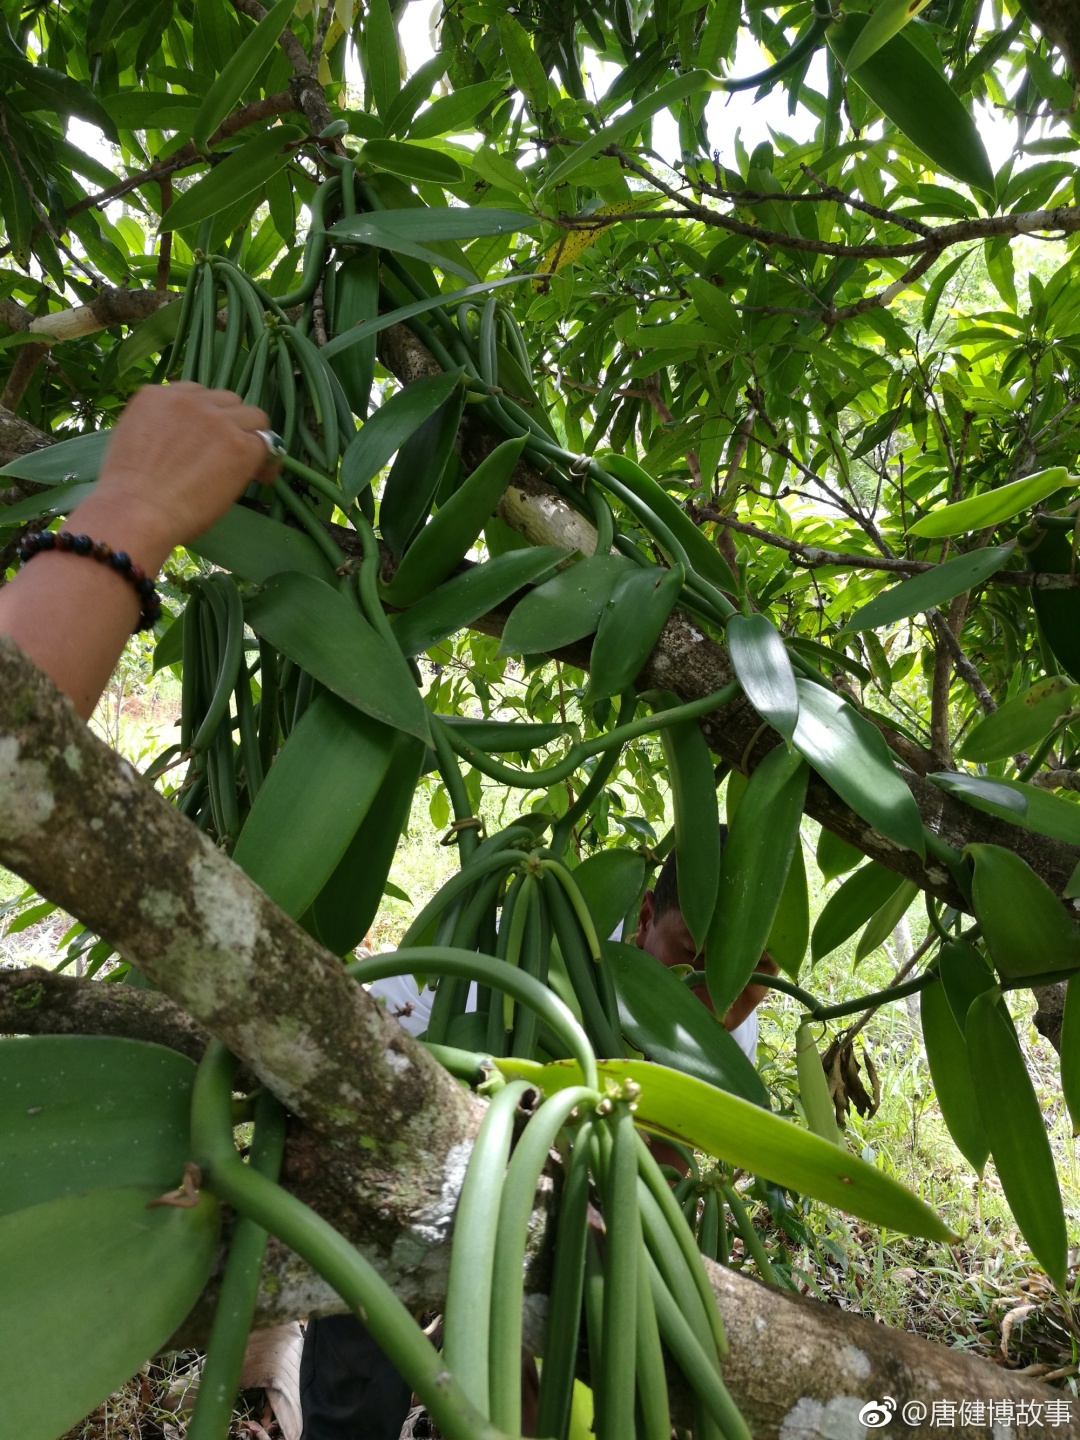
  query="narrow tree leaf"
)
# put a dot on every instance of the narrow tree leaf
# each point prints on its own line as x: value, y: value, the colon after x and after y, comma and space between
x: 416, y: 162
x: 57, y: 93
x: 418, y: 473
x: 318, y: 791
x: 860, y: 896
x: 325, y: 634
x: 1013, y: 1121
x: 564, y: 609
x: 460, y: 601
x: 851, y: 756
x: 79, y: 1112
x: 91, y: 1286
x: 763, y: 666
x: 887, y: 19
x: 1026, y: 928
x: 932, y: 587
x: 386, y: 431
x: 244, y: 171
x: 1070, y: 1051
x: 526, y: 71
x: 1022, y: 721
x: 946, y: 1054
x: 994, y: 506
x: 884, y: 921
x: 667, y: 95
x: 239, y: 72
x: 456, y: 112
x: 753, y: 871
x: 382, y: 61
x: 661, y: 1018
x: 732, y: 1129
x: 920, y: 102
x: 150, y: 337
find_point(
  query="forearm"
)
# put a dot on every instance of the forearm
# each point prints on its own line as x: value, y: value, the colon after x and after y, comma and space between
x: 71, y: 615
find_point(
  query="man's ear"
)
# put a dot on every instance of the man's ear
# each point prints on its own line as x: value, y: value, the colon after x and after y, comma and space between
x: 645, y: 918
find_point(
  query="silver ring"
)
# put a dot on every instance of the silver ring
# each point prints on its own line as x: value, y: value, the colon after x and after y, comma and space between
x: 272, y: 440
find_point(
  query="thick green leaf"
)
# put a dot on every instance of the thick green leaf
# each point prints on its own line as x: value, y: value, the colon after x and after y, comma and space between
x: 860, y: 896
x: 932, y: 587
x: 565, y: 608
x: 152, y: 109
x: 1022, y: 721
x: 459, y: 601
x: 920, y: 102
x: 387, y: 229
x: 994, y: 506
x: 611, y: 882
x: 790, y: 932
x: 884, y: 921
x: 753, y: 871
x: 1027, y: 805
x: 386, y: 431
x: 79, y: 458
x: 697, y: 822
x: 418, y: 473
x: 255, y: 547
x: 667, y: 95
x: 505, y: 737
x: 60, y: 500
x: 764, y: 669
x: 1026, y: 928
x: 78, y: 1112
x: 965, y: 974
x: 91, y: 1286
x: 56, y: 92
x: 661, y: 1018
x: 744, y: 1135
x: 946, y: 1054
x: 1013, y: 1121
x: 325, y: 634
x: 311, y: 804
x: 1070, y: 1051
x: 240, y: 71
x: 416, y: 162
x: 835, y: 856
x: 241, y: 173
x: 630, y: 625
x: 444, y: 541
x: 348, y: 902
x: 851, y: 755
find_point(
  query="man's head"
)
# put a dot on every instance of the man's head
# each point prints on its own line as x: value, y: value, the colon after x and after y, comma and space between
x: 661, y: 928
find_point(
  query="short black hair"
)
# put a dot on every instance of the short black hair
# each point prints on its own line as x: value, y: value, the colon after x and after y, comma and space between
x: 666, y: 889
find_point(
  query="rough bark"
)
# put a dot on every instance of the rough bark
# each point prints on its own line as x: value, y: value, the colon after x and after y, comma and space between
x: 79, y: 824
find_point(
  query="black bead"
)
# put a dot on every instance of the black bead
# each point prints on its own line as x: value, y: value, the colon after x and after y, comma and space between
x: 145, y: 587
x: 82, y: 544
x: 120, y: 560
x: 43, y: 540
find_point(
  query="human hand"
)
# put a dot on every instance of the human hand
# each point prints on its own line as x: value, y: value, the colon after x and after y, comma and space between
x: 179, y: 456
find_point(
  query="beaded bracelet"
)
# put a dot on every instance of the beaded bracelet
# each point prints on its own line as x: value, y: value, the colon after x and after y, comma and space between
x: 118, y: 560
